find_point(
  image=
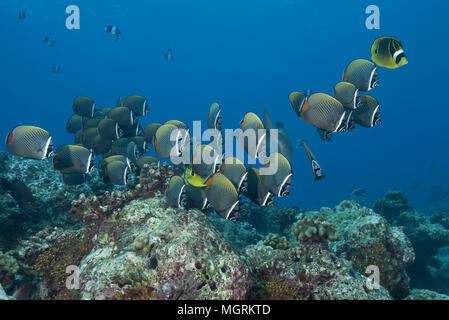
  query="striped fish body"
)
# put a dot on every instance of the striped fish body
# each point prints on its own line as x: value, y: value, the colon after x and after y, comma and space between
x: 279, y: 182
x: 297, y: 100
x: 176, y: 193
x: 222, y: 195
x: 257, y: 192
x: 141, y: 144
x: 132, y: 131
x: 362, y: 74
x: 123, y: 116
x: 137, y: 104
x: 109, y: 129
x: 214, y: 119
x: 347, y: 94
x: 73, y: 159
x: 235, y: 171
x: 74, y: 124
x: 368, y: 114
x: 150, y: 131
x: 206, y: 160
x: 29, y: 142
x: 195, y: 198
x: 323, y: 111
x: 117, y: 172
x: 84, y: 107
x: 89, y: 137
x: 102, y: 145
x: 163, y: 144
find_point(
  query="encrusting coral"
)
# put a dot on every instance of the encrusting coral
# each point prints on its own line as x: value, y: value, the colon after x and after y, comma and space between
x: 314, y: 229
x: 8, y: 269
x: 276, y: 241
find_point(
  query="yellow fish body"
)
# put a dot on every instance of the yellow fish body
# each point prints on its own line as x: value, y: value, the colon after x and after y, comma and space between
x: 194, y: 179
x: 388, y: 52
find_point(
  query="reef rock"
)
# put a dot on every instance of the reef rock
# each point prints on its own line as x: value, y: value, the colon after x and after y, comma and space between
x: 308, y: 270
x: 423, y: 294
x: 51, y: 203
x: 392, y: 204
x: 273, y: 219
x: 240, y: 234
x: 426, y: 233
x: 439, y: 274
x: 161, y: 253
x: 366, y: 239
x: 3, y: 295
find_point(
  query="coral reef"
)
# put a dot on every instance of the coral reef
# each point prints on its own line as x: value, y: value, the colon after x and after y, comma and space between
x: 276, y: 241
x: 392, y: 205
x: 441, y: 218
x: 3, y: 295
x: 440, y: 274
x: 8, y: 269
x: 269, y: 219
x: 240, y: 234
x: 371, y: 241
x: 127, y: 244
x: 284, y: 218
x: 51, y: 264
x: 423, y: 294
x: 365, y: 239
x: 51, y: 203
x: 307, y: 270
x: 427, y: 234
x: 176, y: 253
x: 314, y: 229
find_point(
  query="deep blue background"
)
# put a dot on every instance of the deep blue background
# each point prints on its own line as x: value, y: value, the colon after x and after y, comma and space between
x: 246, y: 55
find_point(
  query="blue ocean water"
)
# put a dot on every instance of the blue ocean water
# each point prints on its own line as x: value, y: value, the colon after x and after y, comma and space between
x: 248, y: 56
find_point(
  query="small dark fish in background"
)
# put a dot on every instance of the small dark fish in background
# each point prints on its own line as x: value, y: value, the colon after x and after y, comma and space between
x: 49, y: 41
x: 433, y: 166
x: 20, y: 192
x: 55, y: 69
x: 359, y: 192
x: 114, y: 30
x: 169, y: 56
x: 22, y: 14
